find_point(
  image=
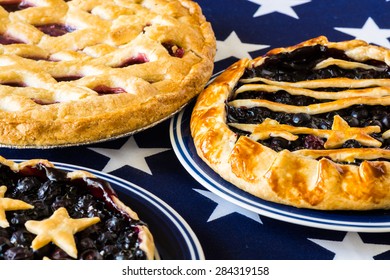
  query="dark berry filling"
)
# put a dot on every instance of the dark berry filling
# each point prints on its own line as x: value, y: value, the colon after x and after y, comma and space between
x: 8, y: 40
x: 14, y: 84
x: 13, y: 6
x: 36, y: 58
x: 281, y: 96
x: 104, y: 90
x: 67, y: 78
x: 174, y: 50
x: 303, y: 142
x: 114, y: 237
x: 302, y: 65
x: 356, y: 116
x: 299, y: 66
x: 138, y: 59
x: 55, y: 29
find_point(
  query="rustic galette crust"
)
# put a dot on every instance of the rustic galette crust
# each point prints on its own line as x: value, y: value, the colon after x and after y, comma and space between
x: 322, y: 179
x: 152, y: 56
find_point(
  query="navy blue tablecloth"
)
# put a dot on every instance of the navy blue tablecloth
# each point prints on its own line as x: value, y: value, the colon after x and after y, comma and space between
x: 243, y: 28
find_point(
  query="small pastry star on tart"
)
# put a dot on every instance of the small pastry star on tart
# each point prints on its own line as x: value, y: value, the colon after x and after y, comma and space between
x: 82, y: 71
x: 306, y: 125
x: 55, y: 214
x: 59, y: 228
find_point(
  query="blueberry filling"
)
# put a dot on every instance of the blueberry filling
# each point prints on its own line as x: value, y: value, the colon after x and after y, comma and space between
x: 356, y: 116
x: 302, y: 65
x: 138, y: 59
x: 55, y: 30
x: 36, y: 58
x: 114, y: 237
x: 8, y: 40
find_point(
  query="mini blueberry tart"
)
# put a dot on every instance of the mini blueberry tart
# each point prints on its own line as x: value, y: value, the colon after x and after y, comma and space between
x: 82, y: 71
x: 306, y: 126
x: 48, y: 213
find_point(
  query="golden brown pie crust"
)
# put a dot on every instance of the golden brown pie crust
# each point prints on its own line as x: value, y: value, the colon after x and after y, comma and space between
x: 108, y: 33
x: 317, y: 179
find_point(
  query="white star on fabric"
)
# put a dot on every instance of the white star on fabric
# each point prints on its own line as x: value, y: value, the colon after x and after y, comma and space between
x: 280, y: 6
x: 225, y: 208
x: 232, y: 46
x: 352, y: 248
x: 370, y: 32
x: 129, y: 154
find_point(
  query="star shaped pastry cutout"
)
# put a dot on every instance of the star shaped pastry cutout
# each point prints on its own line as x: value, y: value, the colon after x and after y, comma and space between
x: 233, y: 47
x: 280, y: 6
x: 352, y: 247
x: 342, y: 132
x: 129, y: 154
x: 9, y: 204
x: 370, y: 32
x: 59, y: 228
x: 225, y: 208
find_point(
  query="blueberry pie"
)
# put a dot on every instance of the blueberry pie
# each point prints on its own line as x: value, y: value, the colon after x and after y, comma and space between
x: 306, y: 126
x: 84, y: 71
x: 48, y: 213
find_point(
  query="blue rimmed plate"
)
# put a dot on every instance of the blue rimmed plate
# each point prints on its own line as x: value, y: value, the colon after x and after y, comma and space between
x: 173, y: 237
x: 183, y: 146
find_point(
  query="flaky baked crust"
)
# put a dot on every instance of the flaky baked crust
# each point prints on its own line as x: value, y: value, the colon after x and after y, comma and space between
x: 326, y: 179
x: 168, y: 45
x: 146, y: 240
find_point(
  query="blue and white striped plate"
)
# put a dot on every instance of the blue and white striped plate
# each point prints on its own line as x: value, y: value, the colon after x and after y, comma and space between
x: 363, y: 221
x: 173, y: 237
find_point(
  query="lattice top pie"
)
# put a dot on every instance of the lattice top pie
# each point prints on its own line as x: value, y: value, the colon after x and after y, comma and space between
x: 85, y: 70
x: 307, y: 125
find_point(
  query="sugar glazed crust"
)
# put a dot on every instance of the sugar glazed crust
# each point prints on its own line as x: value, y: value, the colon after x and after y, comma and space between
x: 118, y: 67
x: 145, y: 237
x: 332, y: 176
